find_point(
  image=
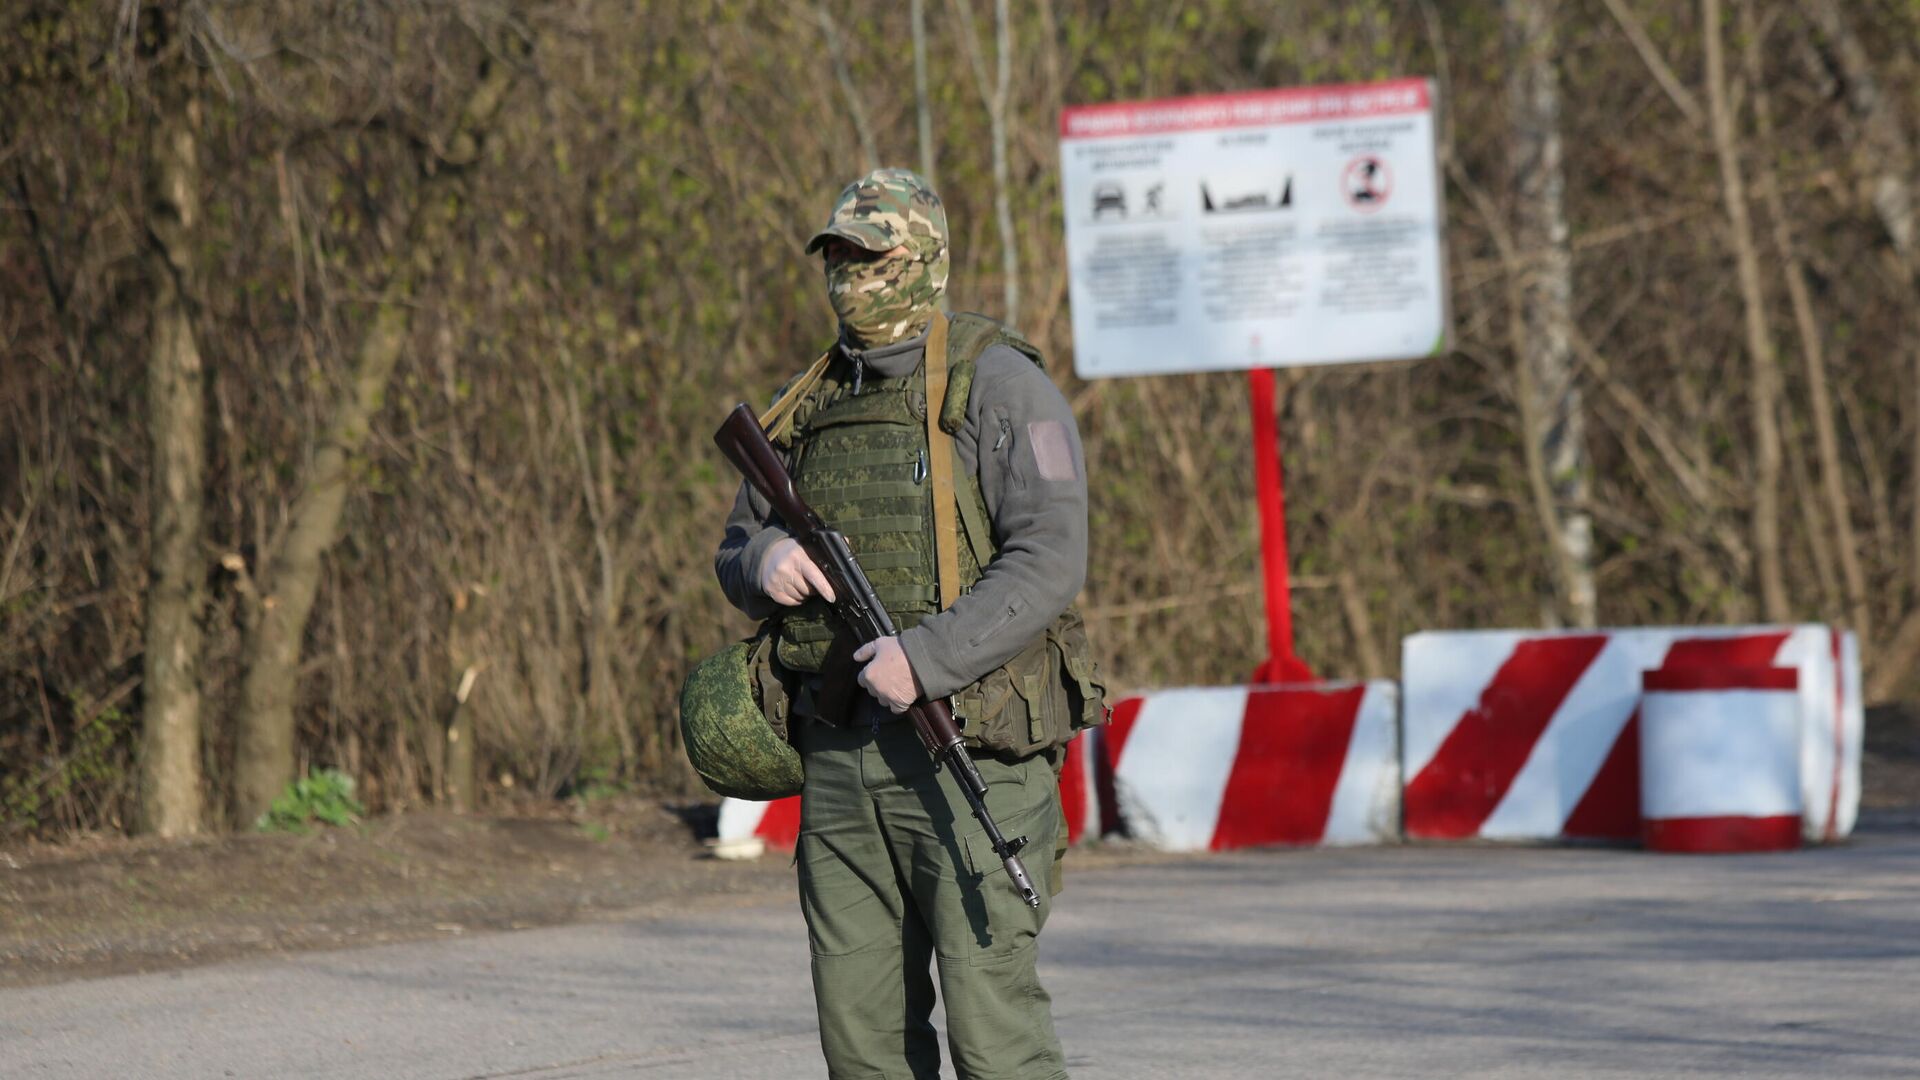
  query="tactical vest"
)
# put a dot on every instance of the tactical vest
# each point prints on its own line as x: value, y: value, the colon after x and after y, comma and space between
x: 861, y: 461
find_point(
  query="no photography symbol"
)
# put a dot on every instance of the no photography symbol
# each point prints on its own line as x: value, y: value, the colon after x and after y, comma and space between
x: 1367, y: 182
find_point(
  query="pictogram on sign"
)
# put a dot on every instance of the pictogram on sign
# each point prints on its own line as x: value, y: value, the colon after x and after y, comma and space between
x: 1194, y: 223
x: 1368, y: 183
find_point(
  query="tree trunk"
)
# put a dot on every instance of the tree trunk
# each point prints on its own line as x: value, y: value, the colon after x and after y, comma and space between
x: 604, y: 700
x: 869, y: 150
x: 1812, y: 348
x: 464, y: 654
x: 263, y: 763
x: 170, y: 796
x: 1886, y: 157
x: 1002, y: 185
x: 1898, y: 661
x: 1361, y: 626
x: 922, y: 102
x: 1763, y: 391
x: 1554, y: 415
x: 994, y: 94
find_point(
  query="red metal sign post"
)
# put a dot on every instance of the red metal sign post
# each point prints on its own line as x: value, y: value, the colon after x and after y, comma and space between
x: 1282, y: 665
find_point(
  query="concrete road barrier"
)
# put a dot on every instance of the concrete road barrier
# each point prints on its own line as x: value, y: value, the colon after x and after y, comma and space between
x: 1217, y: 768
x: 1535, y: 736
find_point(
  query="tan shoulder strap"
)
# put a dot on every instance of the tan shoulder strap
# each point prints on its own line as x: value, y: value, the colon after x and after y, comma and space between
x: 946, y: 524
x: 778, y: 419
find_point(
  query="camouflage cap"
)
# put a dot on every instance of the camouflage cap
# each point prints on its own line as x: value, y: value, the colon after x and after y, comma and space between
x: 885, y: 209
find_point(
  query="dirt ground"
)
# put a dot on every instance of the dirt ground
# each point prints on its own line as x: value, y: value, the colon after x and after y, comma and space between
x: 114, y: 906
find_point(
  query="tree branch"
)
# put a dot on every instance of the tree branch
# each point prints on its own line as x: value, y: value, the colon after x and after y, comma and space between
x: 868, y: 150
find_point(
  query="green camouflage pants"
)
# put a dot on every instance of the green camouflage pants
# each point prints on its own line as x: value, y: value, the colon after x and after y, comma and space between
x: 897, y: 881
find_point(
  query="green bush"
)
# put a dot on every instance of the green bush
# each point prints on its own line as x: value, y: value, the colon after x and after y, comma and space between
x: 325, y: 796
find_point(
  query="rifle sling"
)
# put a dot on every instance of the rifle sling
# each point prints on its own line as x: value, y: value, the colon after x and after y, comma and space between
x: 778, y: 421
x: 946, y: 525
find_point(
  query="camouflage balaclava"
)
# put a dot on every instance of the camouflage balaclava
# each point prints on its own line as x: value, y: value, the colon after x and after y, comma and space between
x: 881, y: 301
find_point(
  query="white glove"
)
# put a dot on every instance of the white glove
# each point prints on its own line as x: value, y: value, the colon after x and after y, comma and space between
x: 889, y: 678
x: 788, y: 575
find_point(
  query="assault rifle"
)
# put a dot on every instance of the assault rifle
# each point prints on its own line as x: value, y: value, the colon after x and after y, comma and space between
x: 856, y: 604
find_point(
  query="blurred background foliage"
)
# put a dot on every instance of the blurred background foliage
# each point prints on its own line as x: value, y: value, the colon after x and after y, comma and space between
x: 528, y: 525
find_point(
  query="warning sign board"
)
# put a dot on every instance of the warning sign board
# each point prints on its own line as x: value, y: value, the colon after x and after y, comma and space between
x: 1262, y: 229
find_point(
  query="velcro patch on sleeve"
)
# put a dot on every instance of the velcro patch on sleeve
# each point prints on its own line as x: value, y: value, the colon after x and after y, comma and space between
x: 1052, y: 450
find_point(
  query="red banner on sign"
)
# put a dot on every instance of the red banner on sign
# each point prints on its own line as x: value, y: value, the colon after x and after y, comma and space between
x: 1252, y: 108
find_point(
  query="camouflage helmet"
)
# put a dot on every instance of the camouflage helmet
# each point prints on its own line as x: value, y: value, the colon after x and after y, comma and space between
x: 885, y: 209
x: 728, y: 738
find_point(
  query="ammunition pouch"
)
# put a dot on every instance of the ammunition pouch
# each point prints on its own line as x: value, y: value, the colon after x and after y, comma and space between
x: 1038, y: 700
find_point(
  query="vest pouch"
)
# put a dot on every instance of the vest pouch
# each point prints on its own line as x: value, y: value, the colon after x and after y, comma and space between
x: 772, y: 686
x: 1083, y: 696
x: 1008, y: 711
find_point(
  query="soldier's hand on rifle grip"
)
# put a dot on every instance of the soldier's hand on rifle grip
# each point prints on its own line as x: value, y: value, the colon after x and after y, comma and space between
x: 789, y: 576
x: 889, y: 677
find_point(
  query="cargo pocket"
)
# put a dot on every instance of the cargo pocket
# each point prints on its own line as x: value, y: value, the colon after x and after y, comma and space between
x: 1009, y: 923
x: 1034, y: 822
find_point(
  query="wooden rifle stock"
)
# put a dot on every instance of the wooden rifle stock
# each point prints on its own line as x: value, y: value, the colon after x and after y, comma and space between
x: 746, y: 445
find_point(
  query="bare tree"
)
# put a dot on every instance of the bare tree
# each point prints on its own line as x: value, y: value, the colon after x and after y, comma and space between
x: 461, y: 774
x: 1676, y: 90
x: 1812, y: 344
x: 922, y: 106
x: 264, y: 758
x: 1551, y: 408
x: 1002, y: 185
x: 856, y: 111
x: 994, y: 94
x: 1885, y: 156
x: 1883, y: 131
x: 170, y: 796
x: 623, y: 267
x: 1763, y: 392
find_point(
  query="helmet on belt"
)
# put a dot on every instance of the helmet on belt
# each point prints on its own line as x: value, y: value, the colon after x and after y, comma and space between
x: 726, y: 730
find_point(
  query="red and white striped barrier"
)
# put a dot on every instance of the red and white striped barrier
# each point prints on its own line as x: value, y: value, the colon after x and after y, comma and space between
x: 1080, y: 787
x: 776, y: 824
x: 1720, y: 759
x: 1215, y: 768
x: 1515, y: 735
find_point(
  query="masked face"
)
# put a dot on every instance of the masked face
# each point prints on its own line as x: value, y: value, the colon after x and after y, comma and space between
x: 887, y: 298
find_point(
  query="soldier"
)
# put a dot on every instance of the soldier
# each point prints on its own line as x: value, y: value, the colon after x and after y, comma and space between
x: 896, y: 882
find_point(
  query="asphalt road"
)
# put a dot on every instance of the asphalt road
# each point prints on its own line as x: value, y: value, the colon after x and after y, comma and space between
x: 1486, y: 962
